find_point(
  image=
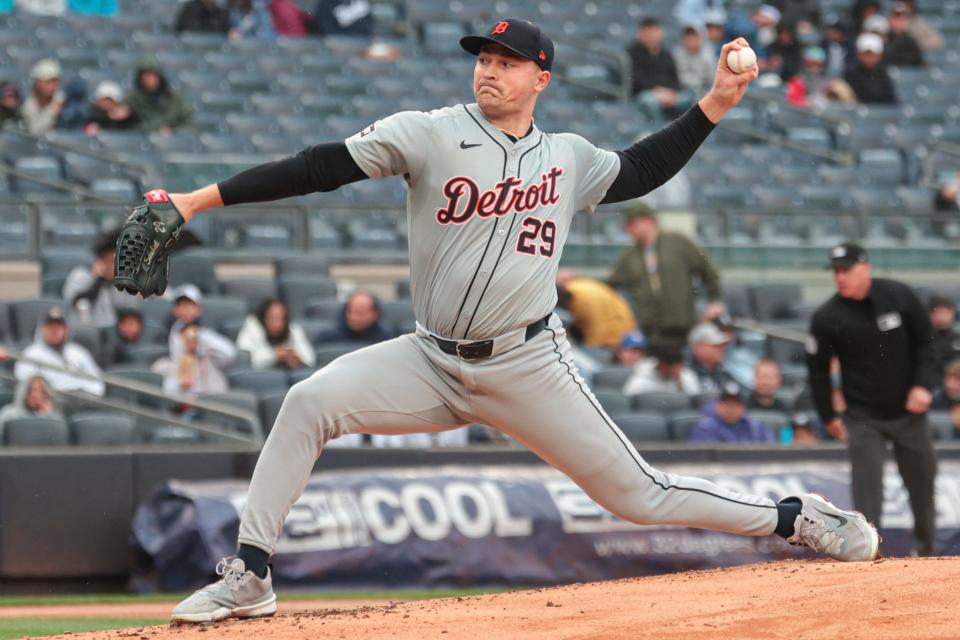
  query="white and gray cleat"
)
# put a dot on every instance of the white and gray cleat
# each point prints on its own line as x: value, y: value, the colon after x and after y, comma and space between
x: 842, y: 535
x: 238, y: 594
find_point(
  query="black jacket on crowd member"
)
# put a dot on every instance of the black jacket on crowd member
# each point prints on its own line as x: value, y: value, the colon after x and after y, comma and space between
x: 652, y: 69
x: 885, y: 346
x: 197, y: 15
x: 903, y: 51
x: 872, y: 86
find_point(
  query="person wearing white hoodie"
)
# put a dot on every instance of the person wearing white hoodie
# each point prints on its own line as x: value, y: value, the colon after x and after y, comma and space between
x: 274, y: 341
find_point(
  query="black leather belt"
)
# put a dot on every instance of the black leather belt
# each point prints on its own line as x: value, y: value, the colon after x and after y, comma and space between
x: 483, y: 348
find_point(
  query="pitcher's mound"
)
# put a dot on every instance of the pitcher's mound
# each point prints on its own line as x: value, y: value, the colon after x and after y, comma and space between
x: 893, y: 598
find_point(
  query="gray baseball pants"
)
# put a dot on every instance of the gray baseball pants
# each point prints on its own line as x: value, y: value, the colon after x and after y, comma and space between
x: 533, y: 393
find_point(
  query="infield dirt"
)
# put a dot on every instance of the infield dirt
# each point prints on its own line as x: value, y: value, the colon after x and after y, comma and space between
x: 891, y: 598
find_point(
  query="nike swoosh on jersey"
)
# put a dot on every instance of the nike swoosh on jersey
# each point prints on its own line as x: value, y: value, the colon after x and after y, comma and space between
x: 464, y: 145
x: 839, y: 519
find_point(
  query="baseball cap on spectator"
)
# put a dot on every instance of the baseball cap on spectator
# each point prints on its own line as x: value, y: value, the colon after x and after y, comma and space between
x: 634, y: 340
x: 770, y: 12
x: 900, y: 9
x: 939, y: 300
x: 45, y: 69
x: 639, y: 209
x: 108, y: 89
x: 54, y: 315
x: 519, y: 36
x: 846, y: 255
x: 189, y: 292
x: 707, y: 333
x: 715, y: 16
x: 870, y: 42
x: 731, y: 391
x: 876, y: 23
x: 814, y: 54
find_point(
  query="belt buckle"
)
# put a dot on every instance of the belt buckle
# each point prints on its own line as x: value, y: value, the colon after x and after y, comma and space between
x: 474, y: 350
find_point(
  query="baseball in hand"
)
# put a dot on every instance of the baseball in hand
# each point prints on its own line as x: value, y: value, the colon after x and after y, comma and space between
x: 742, y: 60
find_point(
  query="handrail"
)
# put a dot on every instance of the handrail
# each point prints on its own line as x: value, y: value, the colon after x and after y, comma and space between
x: 59, y: 185
x: 781, y: 333
x: 154, y: 392
x: 59, y: 144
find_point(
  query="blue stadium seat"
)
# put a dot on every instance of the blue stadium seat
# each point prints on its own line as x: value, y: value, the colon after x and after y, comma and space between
x: 254, y: 291
x: 643, y: 426
x: 36, y: 432
x: 102, y: 429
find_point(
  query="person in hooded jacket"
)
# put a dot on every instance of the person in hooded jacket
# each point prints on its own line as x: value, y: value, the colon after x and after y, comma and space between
x: 360, y: 322
x: 9, y: 103
x: 274, y: 341
x: 32, y: 398
x: 155, y: 104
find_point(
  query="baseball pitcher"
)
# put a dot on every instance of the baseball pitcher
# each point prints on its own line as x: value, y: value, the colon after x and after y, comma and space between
x: 491, y: 199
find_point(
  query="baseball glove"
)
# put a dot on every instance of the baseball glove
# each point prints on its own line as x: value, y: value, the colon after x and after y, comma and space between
x: 142, y: 263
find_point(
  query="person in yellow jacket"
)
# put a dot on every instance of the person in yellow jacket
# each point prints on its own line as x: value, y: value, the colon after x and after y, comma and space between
x: 601, y: 316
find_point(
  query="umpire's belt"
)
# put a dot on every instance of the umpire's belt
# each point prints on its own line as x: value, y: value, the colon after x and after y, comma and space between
x: 478, y: 349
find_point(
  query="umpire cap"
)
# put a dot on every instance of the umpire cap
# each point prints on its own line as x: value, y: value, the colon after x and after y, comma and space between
x: 846, y: 255
x: 519, y: 36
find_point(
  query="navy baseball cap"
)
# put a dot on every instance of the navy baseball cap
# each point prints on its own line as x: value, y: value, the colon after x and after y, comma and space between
x: 846, y: 255
x: 519, y: 36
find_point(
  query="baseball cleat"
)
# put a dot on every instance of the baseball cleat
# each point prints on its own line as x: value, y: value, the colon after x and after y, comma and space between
x: 842, y: 535
x: 238, y: 594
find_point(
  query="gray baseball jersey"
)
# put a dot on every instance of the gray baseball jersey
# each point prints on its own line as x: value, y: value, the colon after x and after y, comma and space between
x: 487, y: 222
x: 487, y: 216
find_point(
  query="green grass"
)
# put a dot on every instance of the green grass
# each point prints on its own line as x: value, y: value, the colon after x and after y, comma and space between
x: 31, y: 627
x: 121, y: 598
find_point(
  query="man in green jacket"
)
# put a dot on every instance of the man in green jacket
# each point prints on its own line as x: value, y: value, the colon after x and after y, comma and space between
x: 157, y: 106
x: 659, y: 273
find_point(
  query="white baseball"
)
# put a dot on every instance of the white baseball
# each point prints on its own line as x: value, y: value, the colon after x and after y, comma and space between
x: 742, y: 60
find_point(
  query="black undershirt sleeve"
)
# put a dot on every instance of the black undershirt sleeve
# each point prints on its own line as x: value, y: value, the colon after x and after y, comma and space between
x: 322, y: 167
x: 651, y: 162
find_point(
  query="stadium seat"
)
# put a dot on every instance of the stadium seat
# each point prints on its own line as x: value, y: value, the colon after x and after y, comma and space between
x: 774, y: 420
x: 62, y: 262
x: 238, y: 399
x: 775, y: 301
x: 36, y: 432
x: 301, y: 265
x: 217, y: 310
x: 328, y: 352
x: 398, y: 314
x: 194, y: 266
x: 613, y: 402
x: 701, y: 400
x: 297, y: 291
x: 643, y: 426
x: 254, y: 291
x: 26, y: 313
x: 662, y: 402
x: 941, y: 425
x: 96, y: 428
x: 139, y: 375
x: 269, y: 408
x: 612, y: 378
x: 87, y: 337
x: 682, y: 423
x: 259, y: 381
x: 121, y: 190
x: 328, y: 309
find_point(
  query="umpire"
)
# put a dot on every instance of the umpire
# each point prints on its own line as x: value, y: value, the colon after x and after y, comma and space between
x: 881, y: 334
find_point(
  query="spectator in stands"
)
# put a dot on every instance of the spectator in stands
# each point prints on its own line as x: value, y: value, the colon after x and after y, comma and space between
x: 785, y: 55
x: 801, y: 431
x: 9, y: 103
x: 869, y: 78
x: 696, y: 63
x: 708, y: 350
x: 946, y: 338
x: 715, y: 29
x: 42, y: 107
x: 877, y: 24
x: 198, y: 369
x: 947, y: 397
x: 798, y: 11
x: 836, y: 44
x: 89, y: 290
x: 660, y: 272
x: 289, y: 20
x: 863, y: 9
x: 52, y: 8
x: 662, y: 370
x: 726, y: 420
x: 343, y: 17
x: 102, y: 8
x: 250, y: 19
x: 760, y: 29
x: 202, y: 15
x: 76, y: 108
x: 360, y: 322
x: 188, y: 309
x: 696, y: 12
x: 920, y: 28
x: 766, y: 382
x: 656, y: 84
x: 945, y: 200
x: 274, y: 341
x: 126, y: 336
x: 108, y: 110
x: 601, y: 316
x: 632, y: 349
x: 33, y: 398
x: 156, y: 106
x: 902, y: 49
x: 739, y: 362
x: 51, y: 347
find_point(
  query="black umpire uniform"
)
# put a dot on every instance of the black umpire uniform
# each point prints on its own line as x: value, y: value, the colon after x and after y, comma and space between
x: 884, y: 344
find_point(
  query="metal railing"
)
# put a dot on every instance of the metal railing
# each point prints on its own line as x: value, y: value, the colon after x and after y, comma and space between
x: 251, y: 422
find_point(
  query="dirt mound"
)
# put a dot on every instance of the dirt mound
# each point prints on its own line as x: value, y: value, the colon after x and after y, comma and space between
x: 893, y: 598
